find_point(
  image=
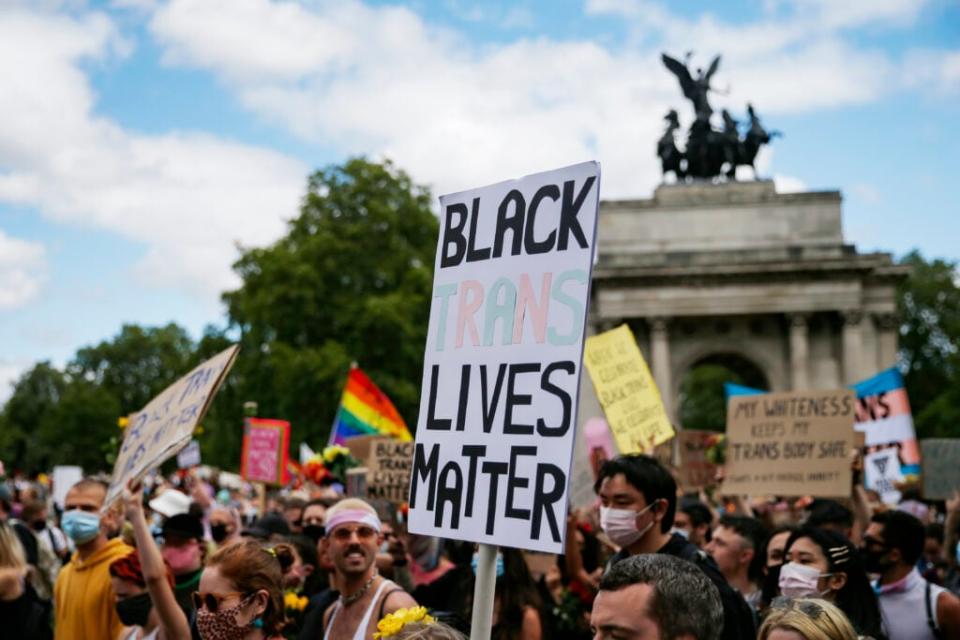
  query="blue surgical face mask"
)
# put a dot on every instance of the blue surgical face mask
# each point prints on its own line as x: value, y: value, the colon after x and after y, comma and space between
x: 475, y: 562
x: 81, y: 526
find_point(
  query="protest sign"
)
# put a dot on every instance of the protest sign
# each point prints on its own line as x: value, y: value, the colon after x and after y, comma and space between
x: 626, y: 390
x: 163, y: 427
x: 388, y: 470
x: 64, y: 477
x: 882, y: 473
x: 695, y: 471
x: 941, y: 467
x: 502, y: 363
x: 189, y: 456
x: 790, y: 444
x: 266, y: 445
x: 883, y: 414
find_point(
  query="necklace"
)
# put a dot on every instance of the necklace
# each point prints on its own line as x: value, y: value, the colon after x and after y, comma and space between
x: 348, y: 600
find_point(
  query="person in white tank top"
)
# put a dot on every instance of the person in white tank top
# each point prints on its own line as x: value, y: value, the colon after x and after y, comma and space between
x: 353, y: 536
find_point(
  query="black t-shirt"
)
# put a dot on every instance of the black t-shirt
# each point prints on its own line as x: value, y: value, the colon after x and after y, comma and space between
x: 738, y: 621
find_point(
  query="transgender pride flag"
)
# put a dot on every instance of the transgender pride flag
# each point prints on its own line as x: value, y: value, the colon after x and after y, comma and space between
x: 883, y: 415
x: 366, y: 411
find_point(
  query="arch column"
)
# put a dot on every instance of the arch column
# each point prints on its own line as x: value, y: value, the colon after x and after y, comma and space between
x: 887, y: 326
x: 660, y: 357
x: 852, y: 346
x: 799, y: 351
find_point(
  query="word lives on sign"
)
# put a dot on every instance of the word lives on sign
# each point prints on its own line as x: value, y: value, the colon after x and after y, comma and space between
x: 165, y: 426
x: 502, y: 363
x: 790, y: 444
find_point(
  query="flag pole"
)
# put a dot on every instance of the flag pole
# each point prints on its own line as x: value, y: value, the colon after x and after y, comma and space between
x: 481, y: 622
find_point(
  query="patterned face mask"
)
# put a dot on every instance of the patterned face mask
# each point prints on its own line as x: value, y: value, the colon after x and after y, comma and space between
x: 222, y: 625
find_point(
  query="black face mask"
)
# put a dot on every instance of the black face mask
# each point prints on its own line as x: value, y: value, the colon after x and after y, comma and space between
x: 135, y: 610
x: 38, y: 525
x: 315, y: 531
x: 873, y: 560
x: 218, y: 532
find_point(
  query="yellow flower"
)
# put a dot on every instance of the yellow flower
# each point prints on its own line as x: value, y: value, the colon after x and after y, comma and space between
x: 393, y: 622
x: 331, y: 452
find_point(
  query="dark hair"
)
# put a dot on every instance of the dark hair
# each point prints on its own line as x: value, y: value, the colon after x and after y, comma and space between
x: 517, y: 591
x: 904, y: 532
x: 649, y: 477
x: 683, y: 601
x: 252, y: 566
x: 825, y: 512
x: 699, y: 513
x: 856, y: 598
x: 323, y: 502
x: 34, y: 508
x: 753, y: 531
x: 934, y: 530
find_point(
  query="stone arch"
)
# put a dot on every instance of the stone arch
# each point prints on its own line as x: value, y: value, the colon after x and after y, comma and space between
x: 707, y: 411
x: 768, y: 363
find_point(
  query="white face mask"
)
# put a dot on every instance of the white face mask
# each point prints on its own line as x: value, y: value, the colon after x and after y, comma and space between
x: 801, y: 581
x: 683, y: 533
x: 620, y: 525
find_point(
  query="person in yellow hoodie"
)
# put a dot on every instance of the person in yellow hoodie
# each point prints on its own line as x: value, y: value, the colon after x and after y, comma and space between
x: 83, y: 596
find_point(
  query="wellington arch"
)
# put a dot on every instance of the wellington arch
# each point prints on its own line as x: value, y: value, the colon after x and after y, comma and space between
x: 704, y: 272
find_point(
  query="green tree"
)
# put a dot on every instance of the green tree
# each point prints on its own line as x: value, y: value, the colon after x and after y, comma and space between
x: 350, y: 281
x: 35, y: 397
x: 929, y: 307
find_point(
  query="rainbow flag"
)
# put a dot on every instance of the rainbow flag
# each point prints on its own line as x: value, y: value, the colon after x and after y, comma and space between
x: 366, y: 411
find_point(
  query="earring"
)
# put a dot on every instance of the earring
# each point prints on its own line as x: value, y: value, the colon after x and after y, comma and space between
x: 258, y: 623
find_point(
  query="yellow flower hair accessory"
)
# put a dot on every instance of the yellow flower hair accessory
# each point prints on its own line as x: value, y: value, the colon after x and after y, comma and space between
x: 393, y: 622
x: 271, y: 551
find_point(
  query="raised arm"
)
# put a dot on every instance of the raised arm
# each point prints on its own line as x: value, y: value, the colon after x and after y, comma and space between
x: 172, y: 619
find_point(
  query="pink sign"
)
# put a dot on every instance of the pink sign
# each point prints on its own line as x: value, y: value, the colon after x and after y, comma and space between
x: 264, y: 451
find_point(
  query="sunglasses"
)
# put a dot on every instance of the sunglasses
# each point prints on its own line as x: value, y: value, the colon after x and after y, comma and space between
x: 807, y: 607
x: 343, y: 534
x: 212, y: 600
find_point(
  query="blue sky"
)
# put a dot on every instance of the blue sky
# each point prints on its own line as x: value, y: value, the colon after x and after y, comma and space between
x: 141, y: 140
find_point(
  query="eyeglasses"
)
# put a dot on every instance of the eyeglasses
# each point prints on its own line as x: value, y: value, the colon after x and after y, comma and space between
x: 807, y: 607
x: 343, y: 534
x: 211, y: 600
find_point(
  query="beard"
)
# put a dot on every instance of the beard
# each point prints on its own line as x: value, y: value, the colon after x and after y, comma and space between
x: 354, y: 560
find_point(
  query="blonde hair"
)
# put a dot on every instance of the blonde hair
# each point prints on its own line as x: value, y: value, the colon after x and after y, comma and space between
x: 813, y: 618
x: 349, y: 504
x: 12, y: 555
x: 425, y: 631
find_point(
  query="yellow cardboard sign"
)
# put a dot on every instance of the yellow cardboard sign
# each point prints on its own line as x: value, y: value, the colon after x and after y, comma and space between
x: 626, y: 390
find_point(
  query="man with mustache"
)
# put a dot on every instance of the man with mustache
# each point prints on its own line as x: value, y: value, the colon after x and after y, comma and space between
x: 353, y: 536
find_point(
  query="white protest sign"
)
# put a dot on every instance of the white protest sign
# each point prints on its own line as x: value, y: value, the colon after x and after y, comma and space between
x: 504, y: 349
x: 166, y: 424
x: 64, y: 477
x: 882, y: 473
x: 189, y: 456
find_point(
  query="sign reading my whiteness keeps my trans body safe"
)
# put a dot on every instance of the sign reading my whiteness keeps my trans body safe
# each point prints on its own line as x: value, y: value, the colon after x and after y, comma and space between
x: 504, y: 348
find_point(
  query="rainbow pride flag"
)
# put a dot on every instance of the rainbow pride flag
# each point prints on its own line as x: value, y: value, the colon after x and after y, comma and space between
x: 366, y: 411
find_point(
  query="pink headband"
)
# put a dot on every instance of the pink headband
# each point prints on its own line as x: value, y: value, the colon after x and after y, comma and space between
x: 358, y: 516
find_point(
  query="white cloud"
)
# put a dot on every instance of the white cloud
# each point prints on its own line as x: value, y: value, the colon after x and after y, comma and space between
x: 22, y: 271
x: 867, y: 193
x: 187, y: 197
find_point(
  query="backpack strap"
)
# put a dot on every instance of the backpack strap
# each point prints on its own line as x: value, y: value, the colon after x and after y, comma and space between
x: 930, y: 621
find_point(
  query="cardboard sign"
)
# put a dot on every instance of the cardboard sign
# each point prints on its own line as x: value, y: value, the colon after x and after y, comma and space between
x: 388, y: 470
x: 626, y: 390
x: 941, y: 467
x: 695, y: 471
x: 884, y: 416
x: 64, y: 477
x: 189, y: 456
x: 163, y: 427
x: 790, y: 444
x: 266, y: 445
x: 882, y: 473
x: 501, y: 372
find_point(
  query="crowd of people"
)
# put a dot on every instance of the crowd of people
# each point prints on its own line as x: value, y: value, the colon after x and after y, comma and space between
x: 192, y: 556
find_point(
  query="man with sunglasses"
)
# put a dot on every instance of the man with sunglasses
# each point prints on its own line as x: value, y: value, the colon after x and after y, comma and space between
x: 353, y: 537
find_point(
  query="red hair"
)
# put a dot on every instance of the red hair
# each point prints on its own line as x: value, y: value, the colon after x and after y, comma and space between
x: 128, y: 568
x: 252, y: 567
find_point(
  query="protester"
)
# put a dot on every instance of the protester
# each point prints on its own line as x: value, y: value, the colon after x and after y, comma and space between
x: 657, y: 596
x: 694, y: 521
x: 225, y: 525
x: 241, y: 593
x: 734, y: 546
x: 314, y: 518
x: 415, y: 624
x: 143, y: 585
x: 185, y: 553
x: 639, y: 499
x: 83, y: 595
x: 805, y: 619
x: 516, y: 602
x: 271, y: 527
x: 34, y: 515
x: 913, y: 608
x: 822, y: 563
x: 293, y: 513
x: 353, y: 536
x: 22, y: 613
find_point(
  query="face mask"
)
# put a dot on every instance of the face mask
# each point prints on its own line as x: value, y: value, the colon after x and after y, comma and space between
x: 475, y: 563
x: 218, y: 532
x: 315, y: 531
x: 39, y: 525
x: 134, y: 611
x: 82, y: 527
x: 221, y: 625
x: 620, y: 525
x: 800, y: 581
x: 182, y: 559
x: 873, y: 561
x: 683, y: 533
